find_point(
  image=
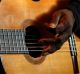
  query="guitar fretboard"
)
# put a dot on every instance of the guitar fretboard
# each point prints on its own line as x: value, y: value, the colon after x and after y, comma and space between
x: 12, y: 41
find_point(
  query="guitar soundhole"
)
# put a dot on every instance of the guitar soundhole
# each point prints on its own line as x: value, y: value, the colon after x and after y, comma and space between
x: 31, y: 39
x: 35, y: 54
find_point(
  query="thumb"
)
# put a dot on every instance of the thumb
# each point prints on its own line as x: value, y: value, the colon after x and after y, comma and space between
x: 62, y: 25
x: 55, y: 20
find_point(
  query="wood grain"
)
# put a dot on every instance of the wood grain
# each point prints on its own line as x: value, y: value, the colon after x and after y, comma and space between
x: 12, y: 14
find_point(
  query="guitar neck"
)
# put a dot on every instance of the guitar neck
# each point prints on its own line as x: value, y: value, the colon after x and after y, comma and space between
x: 12, y: 41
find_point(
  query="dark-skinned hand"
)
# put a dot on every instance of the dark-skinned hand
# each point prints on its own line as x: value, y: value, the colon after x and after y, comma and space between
x: 54, y: 29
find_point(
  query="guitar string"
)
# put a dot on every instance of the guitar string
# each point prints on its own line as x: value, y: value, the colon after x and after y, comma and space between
x: 29, y: 39
x: 34, y: 47
x: 31, y: 47
x: 25, y: 47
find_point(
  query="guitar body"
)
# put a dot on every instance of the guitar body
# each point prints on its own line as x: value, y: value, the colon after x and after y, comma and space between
x: 12, y: 15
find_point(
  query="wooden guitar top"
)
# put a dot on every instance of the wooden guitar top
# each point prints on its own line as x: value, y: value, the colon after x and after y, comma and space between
x: 12, y: 14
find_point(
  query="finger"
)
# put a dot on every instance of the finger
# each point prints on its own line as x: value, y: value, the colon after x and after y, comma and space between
x: 64, y: 36
x: 62, y: 25
x: 59, y: 41
x: 48, y: 42
x: 52, y: 45
x: 55, y: 19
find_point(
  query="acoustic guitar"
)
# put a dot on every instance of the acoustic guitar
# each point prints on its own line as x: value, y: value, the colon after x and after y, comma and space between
x: 15, y: 55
